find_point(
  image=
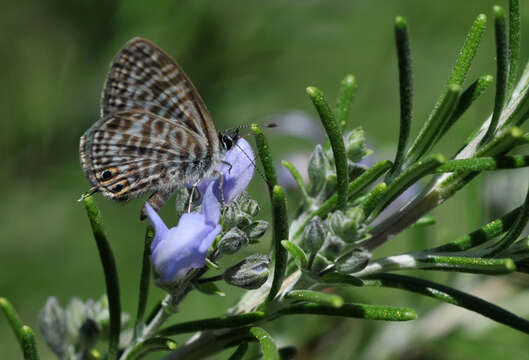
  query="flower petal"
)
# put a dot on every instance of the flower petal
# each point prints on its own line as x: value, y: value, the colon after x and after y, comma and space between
x: 236, y: 175
x: 159, y: 226
x: 211, y: 206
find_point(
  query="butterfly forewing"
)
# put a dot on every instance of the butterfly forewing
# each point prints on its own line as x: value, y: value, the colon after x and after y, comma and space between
x: 143, y: 76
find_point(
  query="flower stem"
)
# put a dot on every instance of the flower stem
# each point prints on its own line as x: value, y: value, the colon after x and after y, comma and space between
x: 514, y: 43
x: 29, y: 345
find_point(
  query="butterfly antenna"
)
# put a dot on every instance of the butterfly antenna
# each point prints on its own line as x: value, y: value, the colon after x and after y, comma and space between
x: 90, y: 192
x: 246, y: 126
x: 255, y: 166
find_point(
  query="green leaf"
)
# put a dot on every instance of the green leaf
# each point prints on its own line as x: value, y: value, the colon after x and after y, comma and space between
x: 111, y: 275
x: 360, y: 311
x: 280, y: 221
x: 144, y: 282
x: 337, y: 143
x: 436, y: 123
x: 402, y: 40
x: 315, y: 297
x: 296, y: 252
x: 426, y: 220
x: 481, y: 235
x: 345, y: 98
x: 299, y: 180
x: 404, y: 181
x: 451, y: 296
x: 514, y: 43
x: 472, y: 265
x: 29, y: 346
x: 502, y: 70
x: 148, y: 346
x: 263, y: 150
x: 268, y: 346
x: 13, y: 319
x: 209, y: 288
x: 240, y: 352
x: 340, y: 279
x: 222, y: 322
x: 485, y: 163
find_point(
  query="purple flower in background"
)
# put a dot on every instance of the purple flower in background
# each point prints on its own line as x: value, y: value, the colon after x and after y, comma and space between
x: 236, y: 175
x: 184, y: 247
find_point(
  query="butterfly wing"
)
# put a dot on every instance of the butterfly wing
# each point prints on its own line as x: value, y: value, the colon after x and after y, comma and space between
x: 143, y: 76
x: 129, y: 153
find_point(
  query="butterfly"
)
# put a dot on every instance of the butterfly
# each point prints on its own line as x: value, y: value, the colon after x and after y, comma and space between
x: 155, y: 133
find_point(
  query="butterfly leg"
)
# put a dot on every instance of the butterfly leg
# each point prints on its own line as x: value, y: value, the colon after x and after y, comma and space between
x: 194, y: 188
x: 157, y: 200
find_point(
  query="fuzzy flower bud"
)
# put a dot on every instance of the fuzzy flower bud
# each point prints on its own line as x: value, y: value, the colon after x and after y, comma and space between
x: 52, y: 323
x: 250, y: 273
x: 355, y: 146
x: 314, y: 235
x: 256, y: 229
x: 317, y: 169
x: 232, y: 241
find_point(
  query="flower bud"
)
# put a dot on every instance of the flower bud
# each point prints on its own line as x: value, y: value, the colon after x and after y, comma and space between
x: 314, y: 235
x: 317, y: 169
x: 232, y: 241
x: 256, y: 229
x: 251, y: 207
x: 355, y: 146
x: 336, y: 221
x: 333, y: 246
x: 353, y: 261
x: 250, y: 273
x: 76, y: 314
x: 52, y: 323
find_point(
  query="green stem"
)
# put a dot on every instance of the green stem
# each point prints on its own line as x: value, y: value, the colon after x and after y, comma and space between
x: 337, y: 143
x: 111, y: 275
x: 213, y: 323
x: 370, y: 201
x: 345, y: 98
x: 402, y: 41
x: 502, y: 70
x: 145, y: 278
x: 451, y: 296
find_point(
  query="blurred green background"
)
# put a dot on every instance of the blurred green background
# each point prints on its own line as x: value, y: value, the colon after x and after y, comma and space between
x: 249, y: 60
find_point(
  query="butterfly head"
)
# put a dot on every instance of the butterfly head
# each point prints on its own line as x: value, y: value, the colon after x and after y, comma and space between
x: 228, y: 140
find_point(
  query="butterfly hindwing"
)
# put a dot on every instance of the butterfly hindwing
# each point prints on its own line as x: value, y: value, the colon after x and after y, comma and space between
x: 130, y: 153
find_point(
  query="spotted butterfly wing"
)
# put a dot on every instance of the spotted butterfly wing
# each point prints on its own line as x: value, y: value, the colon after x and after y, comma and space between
x: 155, y: 133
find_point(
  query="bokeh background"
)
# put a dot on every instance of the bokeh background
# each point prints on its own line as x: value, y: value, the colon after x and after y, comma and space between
x: 251, y: 61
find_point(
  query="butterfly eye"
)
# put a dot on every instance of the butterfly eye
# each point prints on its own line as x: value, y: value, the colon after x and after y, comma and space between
x: 107, y: 174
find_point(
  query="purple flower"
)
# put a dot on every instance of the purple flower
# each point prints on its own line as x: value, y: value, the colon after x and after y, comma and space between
x: 184, y: 247
x: 237, y: 170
